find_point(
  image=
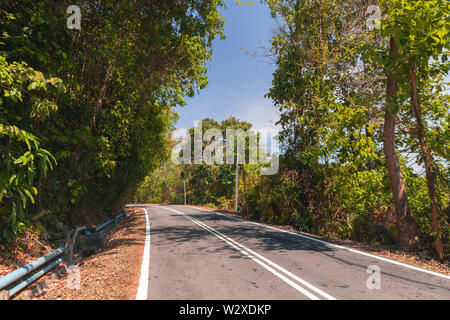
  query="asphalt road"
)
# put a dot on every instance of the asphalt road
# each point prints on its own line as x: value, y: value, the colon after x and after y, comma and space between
x: 198, y: 254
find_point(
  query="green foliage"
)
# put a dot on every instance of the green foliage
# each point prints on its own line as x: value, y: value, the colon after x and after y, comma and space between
x: 101, y: 105
x: 86, y: 116
x: 22, y: 160
x: 329, y: 86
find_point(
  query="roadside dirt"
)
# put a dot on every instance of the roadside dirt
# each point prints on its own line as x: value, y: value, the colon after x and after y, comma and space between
x: 423, y: 260
x: 111, y: 274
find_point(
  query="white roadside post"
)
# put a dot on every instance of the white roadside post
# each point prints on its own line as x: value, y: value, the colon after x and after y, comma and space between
x: 184, y: 175
x: 236, y: 185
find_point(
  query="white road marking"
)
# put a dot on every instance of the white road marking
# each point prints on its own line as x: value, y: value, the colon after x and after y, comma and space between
x: 252, y: 255
x: 142, y: 293
x: 338, y: 246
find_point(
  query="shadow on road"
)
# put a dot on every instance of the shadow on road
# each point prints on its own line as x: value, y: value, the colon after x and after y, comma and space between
x: 267, y: 240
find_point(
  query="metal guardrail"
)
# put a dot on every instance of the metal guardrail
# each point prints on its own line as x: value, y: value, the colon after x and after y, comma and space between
x: 36, y: 269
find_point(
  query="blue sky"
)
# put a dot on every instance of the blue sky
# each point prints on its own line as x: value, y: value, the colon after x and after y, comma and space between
x: 237, y: 80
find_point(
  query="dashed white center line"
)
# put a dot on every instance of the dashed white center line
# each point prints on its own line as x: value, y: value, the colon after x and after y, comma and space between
x: 267, y: 264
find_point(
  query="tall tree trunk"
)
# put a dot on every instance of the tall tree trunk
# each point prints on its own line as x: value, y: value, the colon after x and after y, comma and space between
x: 102, y: 93
x: 407, y: 233
x: 428, y: 161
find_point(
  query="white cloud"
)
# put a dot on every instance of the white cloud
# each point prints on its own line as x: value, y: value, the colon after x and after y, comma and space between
x: 260, y: 112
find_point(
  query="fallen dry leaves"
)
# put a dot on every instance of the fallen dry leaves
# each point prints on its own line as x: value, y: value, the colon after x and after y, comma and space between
x: 111, y: 274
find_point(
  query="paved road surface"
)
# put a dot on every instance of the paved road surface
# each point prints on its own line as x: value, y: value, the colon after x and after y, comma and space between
x: 198, y: 254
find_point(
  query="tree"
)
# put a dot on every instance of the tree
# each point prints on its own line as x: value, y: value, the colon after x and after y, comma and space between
x: 419, y: 33
x: 407, y: 233
x: 336, y: 81
x: 124, y: 71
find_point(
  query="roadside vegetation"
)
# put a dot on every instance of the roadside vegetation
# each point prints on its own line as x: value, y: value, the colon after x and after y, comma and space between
x: 365, y: 128
x: 84, y: 114
x: 86, y: 117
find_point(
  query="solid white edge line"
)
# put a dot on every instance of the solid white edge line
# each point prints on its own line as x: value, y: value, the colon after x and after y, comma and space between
x: 142, y: 293
x: 245, y: 252
x: 290, y: 274
x: 337, y: 246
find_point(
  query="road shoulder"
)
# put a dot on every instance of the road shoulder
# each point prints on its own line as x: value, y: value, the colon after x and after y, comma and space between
x: 111, y: 274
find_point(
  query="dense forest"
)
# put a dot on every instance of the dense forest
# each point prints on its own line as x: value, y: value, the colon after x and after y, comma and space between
x: 365, y: 128
x: 84, y: 114
x: 87, y: 116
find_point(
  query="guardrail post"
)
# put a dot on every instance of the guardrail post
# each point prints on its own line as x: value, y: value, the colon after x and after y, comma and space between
x: 71, y: 243
x: 67, y: 245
